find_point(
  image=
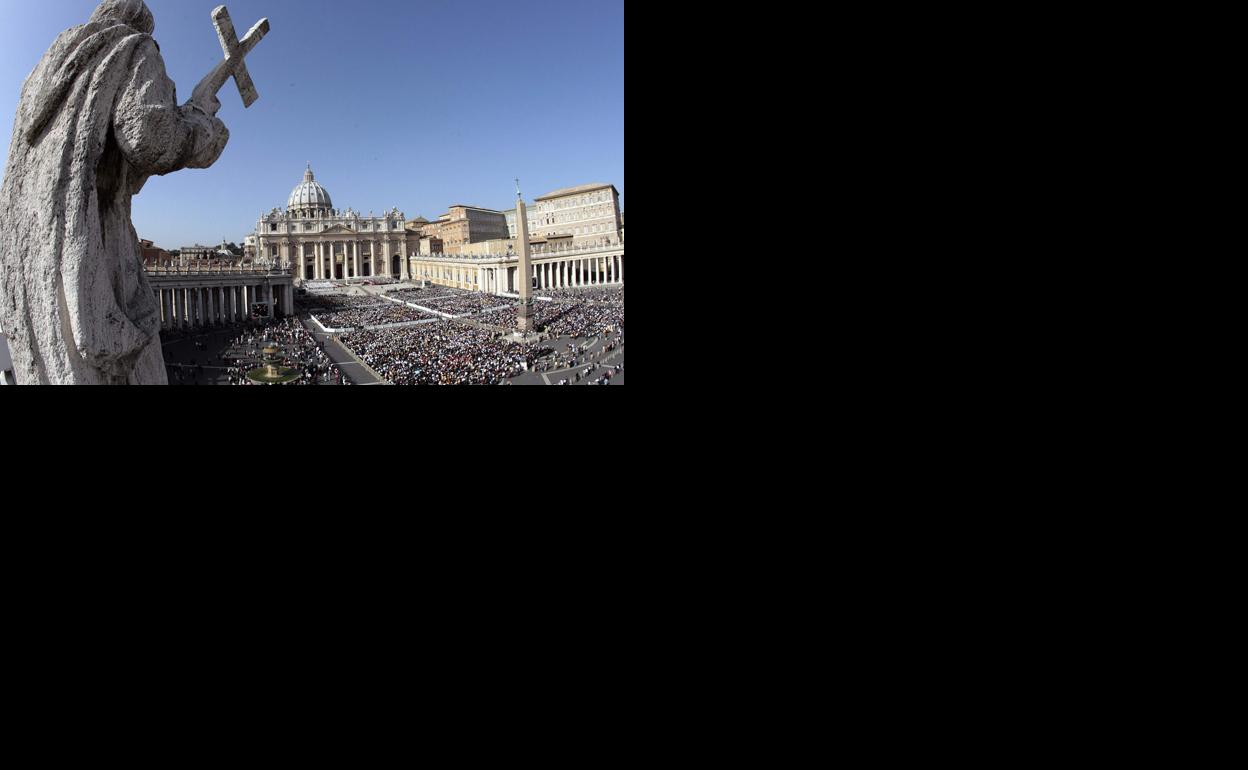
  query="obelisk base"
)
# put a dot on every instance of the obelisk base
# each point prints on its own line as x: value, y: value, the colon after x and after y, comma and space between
x: 526, y: 315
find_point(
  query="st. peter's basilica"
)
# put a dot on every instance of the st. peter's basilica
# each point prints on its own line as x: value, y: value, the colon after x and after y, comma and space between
x: 321, y: 243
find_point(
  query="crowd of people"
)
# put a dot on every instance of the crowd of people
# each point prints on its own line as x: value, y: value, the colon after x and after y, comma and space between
x: 417, y: 295
x: 377, y: 315
x: 342, y: 312
x: 594, y: 294
x: 299, y: 350
x: 585, y: 320
x: 593, y: 372
x: 575, y: 355
x: 466, y: 305
x: 444, y: 353
x: 333, y: 303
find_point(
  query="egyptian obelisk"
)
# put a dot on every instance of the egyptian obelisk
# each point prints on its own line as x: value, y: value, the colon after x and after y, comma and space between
x: 525, y: 279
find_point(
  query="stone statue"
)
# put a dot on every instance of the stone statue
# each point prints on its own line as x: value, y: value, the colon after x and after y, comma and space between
x: 98, y: 116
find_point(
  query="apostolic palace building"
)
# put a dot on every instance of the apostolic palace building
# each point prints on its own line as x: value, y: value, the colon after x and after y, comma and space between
x: 321, y: 243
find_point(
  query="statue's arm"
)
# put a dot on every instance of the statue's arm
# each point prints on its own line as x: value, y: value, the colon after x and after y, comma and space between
x: 155, y: 134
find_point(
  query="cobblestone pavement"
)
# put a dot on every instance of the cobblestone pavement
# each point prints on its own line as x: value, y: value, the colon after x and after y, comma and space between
x: 594, y: 355
x: 188, y: 365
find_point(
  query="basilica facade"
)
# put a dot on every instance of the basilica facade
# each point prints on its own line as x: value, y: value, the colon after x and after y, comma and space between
x: 321, y: 243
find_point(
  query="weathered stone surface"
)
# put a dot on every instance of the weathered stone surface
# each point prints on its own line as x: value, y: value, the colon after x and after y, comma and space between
x: 97, y: 118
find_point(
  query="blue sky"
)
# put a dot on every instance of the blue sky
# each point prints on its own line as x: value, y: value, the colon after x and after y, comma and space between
x: 419, y: 104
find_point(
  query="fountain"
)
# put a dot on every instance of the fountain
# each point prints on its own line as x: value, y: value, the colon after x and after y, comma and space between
x: 272, y: 373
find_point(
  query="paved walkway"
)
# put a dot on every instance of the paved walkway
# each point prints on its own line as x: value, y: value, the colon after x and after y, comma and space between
x: 593, y: 355
x: 353, y: 369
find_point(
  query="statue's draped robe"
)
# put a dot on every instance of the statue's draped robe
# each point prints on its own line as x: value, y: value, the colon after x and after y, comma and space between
x: 97, y: 118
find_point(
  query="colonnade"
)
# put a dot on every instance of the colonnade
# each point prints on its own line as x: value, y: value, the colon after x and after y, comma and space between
x: 186, y: 308
x: 564, y: 274
x: 358, y: 259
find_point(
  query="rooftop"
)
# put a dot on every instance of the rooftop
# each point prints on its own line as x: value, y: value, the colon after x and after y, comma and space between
x: 575, y: 191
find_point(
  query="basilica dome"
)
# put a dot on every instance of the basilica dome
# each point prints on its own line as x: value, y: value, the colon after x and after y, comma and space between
x: 309, y: 196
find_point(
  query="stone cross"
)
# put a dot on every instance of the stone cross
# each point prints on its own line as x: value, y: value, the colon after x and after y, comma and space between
x: 235, y: 64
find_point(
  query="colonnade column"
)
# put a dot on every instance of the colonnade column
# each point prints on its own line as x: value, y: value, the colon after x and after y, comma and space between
x: 386, y: 250
x: 359, y: 260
